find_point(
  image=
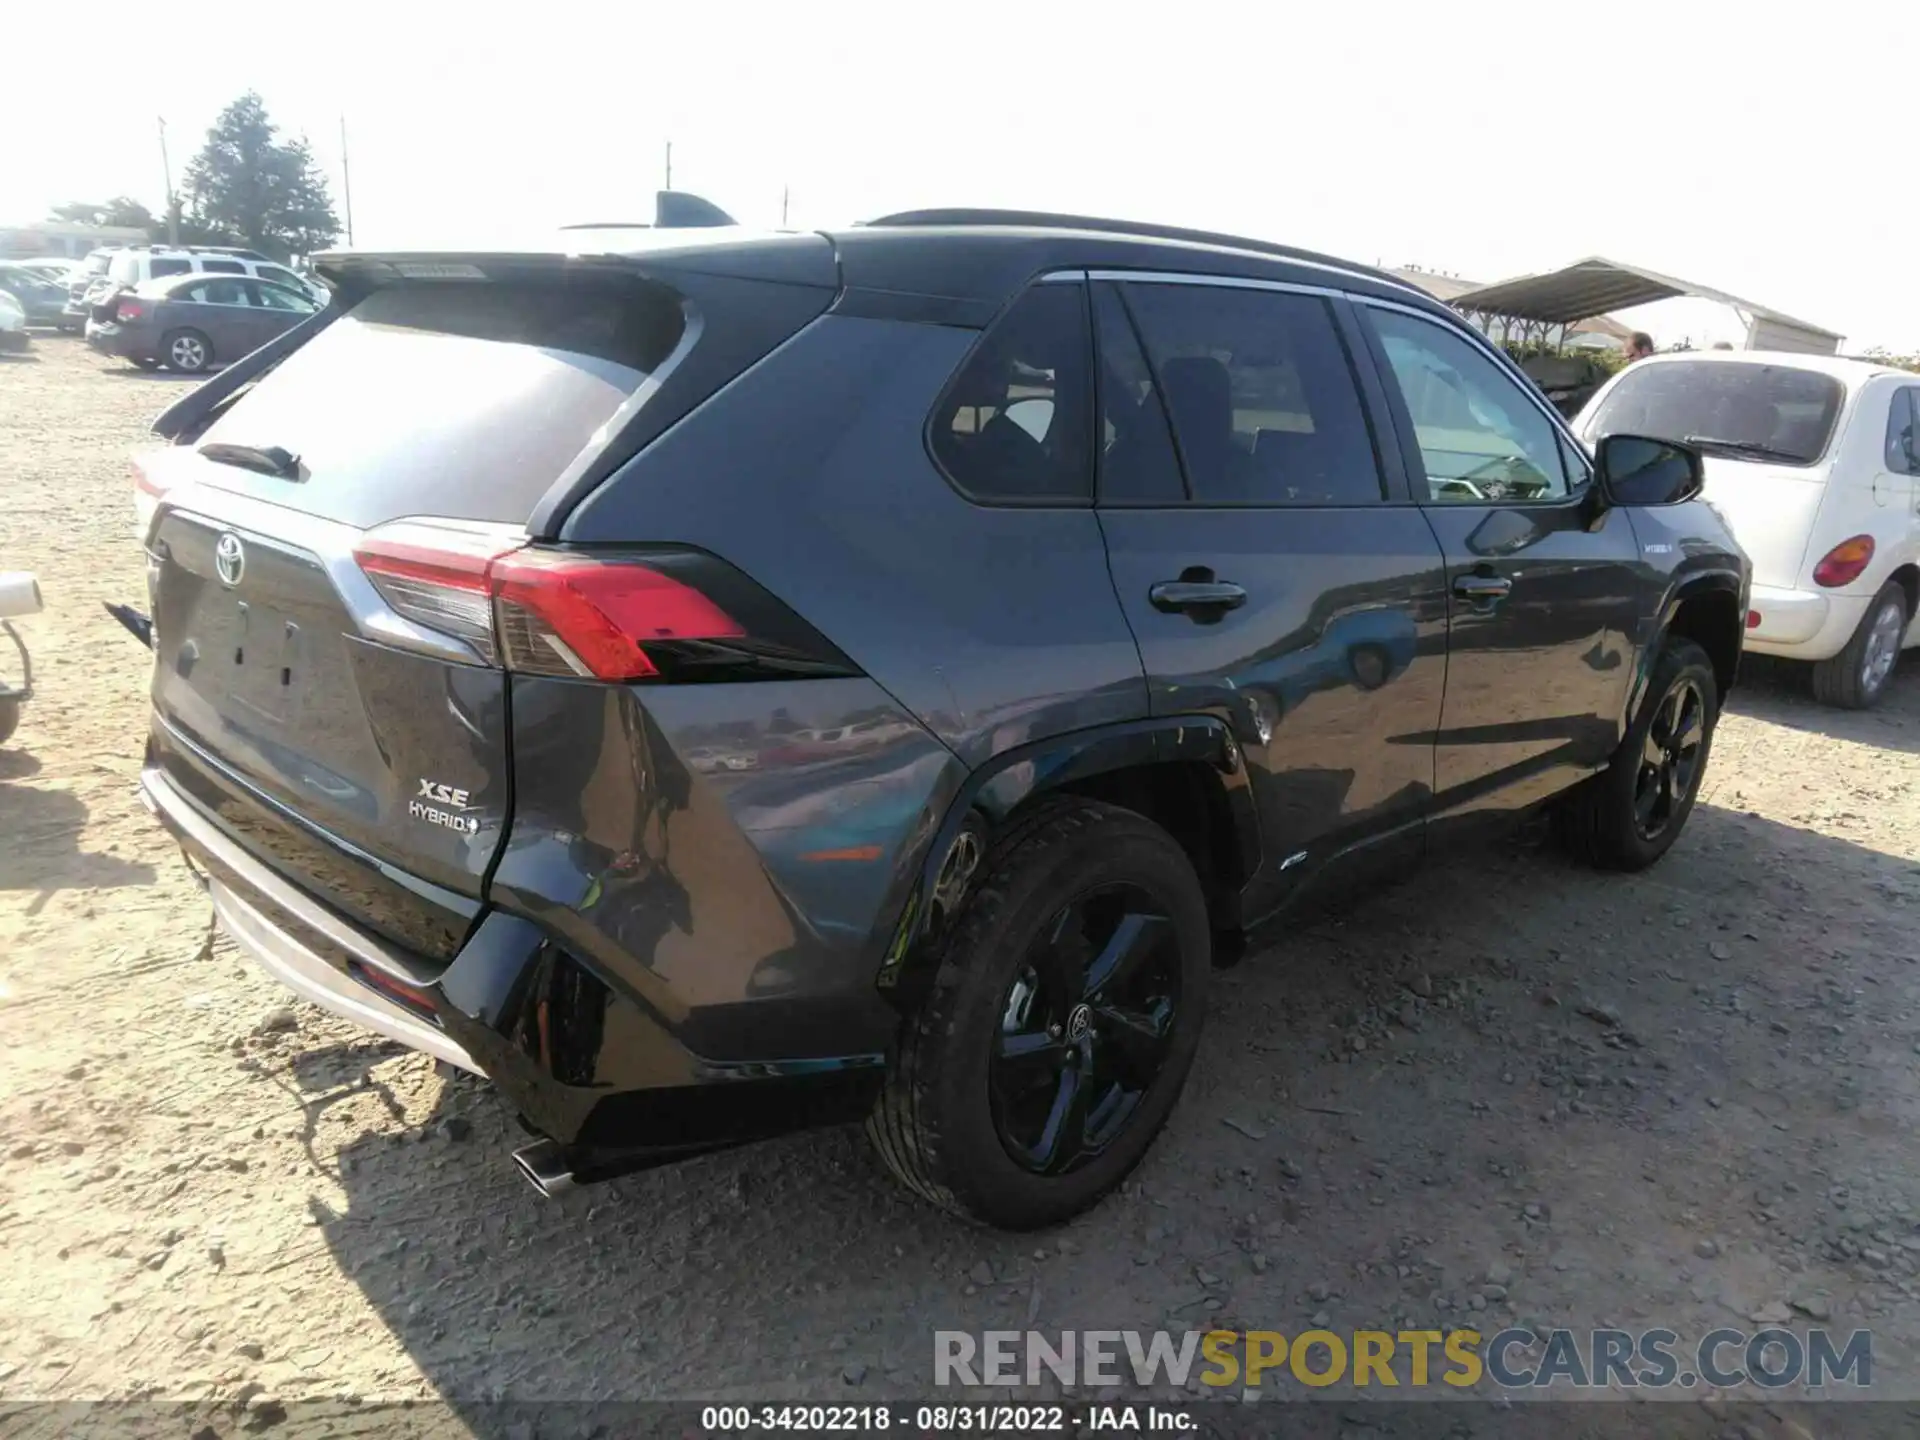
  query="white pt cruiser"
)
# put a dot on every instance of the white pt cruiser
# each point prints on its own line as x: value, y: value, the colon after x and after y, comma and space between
x: 1815, y: 464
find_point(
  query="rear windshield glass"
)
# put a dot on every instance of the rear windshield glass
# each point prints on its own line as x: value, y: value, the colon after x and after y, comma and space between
x: 452, y: 398
x: 1776, y: 414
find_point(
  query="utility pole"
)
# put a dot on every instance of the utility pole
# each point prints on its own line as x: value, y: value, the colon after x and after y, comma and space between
x: 166, y: 171
x: 346, y: 179
x: 669, y: 184
x: 785, y: 193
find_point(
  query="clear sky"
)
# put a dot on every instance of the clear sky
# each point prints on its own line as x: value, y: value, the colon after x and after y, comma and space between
x: 1760, y: 149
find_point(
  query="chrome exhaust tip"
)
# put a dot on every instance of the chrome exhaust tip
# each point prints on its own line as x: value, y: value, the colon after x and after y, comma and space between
x: 545, y: 1168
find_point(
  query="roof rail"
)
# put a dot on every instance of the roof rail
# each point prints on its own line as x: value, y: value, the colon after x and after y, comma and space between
x: 1044, y: 220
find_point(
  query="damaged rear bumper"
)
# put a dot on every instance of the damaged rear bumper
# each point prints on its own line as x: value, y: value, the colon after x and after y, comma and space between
x: 590, y: 1068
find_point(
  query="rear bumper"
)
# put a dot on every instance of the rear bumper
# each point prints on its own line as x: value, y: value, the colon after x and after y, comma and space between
x: 589, y: 1067
x: 1802, y: 624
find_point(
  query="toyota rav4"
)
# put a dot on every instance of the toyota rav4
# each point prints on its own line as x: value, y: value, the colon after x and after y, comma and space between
x: 715, y: 683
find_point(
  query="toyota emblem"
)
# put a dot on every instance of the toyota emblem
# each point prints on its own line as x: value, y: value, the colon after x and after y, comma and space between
x: 229, y: 559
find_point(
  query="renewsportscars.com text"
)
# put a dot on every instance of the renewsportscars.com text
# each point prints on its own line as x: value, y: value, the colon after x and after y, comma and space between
x: 1512, y: 1359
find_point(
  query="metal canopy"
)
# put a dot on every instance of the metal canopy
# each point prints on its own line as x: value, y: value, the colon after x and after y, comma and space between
x: 1597, y: 285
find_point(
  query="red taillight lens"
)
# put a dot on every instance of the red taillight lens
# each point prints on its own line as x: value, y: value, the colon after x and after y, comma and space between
x: 1753, y: 619
x: 562, y: 614
x: 129, y: 310
x: 1844, y: 564
x: 667, y: 614
x: 436, y: 577
x: 144, y: 482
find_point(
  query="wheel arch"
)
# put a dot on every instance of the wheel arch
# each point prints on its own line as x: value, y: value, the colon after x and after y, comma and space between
x: 1705, y: 609
x: 1185, y: 773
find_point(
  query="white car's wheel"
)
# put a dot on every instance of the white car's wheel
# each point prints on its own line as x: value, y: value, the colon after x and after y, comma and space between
x: 1858, y: 676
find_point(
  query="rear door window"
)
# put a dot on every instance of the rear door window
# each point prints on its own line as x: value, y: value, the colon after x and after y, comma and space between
x: 160, y: 267
x: 223, y: 267
x: 1015, y: 421
x: 1261, y: 393
x: 1137, y: 461
x: 224, y: 292
x: 453, y: 398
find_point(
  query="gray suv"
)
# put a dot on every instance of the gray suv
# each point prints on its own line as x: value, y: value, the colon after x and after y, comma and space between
x: 715, y: 683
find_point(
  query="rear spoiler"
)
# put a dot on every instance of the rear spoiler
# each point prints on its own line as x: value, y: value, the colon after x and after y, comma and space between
x: 182, y: 419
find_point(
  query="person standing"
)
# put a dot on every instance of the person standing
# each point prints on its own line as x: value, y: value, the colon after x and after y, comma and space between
x: 1639, y: 346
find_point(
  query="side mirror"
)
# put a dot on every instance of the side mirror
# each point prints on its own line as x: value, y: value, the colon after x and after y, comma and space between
x: 1638, y: 470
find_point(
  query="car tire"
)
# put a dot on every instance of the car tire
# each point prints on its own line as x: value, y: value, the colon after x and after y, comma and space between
x: 1860, y: 675
x: 187, y: 351
x: 1629, y: 815
x: 1014, y: 1055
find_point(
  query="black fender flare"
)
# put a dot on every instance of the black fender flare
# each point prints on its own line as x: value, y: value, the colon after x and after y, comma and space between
x: 1015, y: 776
x: 1696, y: 583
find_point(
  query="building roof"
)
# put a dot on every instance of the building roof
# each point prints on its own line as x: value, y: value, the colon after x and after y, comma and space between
x: 1596, y: 285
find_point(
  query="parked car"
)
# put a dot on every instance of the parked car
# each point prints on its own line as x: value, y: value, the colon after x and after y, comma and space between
x: 135, y: 265
x: 13, y: 325
x: 191, y: 323
x: 1280, y: 577
x: 57, y: 268
x: 43, y: 301
x: 1813, y: 462
x: 81, y: 278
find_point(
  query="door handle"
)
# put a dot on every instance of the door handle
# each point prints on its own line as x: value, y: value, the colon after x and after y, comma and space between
x: 1184, y: 596
x: 1482, y: 587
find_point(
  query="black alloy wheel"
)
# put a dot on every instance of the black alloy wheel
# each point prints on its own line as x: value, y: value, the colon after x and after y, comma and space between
x: 1085, y: 1029
x: 1670, y: 757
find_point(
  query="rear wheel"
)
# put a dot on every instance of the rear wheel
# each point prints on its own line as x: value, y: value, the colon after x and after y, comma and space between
x: 1063, y: 1019
x: 187, y: 351
x: 1629, y: 815
x: 1858, y: 676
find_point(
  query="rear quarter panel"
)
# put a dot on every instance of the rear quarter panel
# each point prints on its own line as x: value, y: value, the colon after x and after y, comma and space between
x: 1862, y: 496
x: 995, y: 627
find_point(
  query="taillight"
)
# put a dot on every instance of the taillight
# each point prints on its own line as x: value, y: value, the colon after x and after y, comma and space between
x: 436, y: 577
x: 1753, y: 619
x: 655, y: 615
x: 1843, y: 564
x: 128, y: 310
x: 566, y: 614
x: 143, y: 482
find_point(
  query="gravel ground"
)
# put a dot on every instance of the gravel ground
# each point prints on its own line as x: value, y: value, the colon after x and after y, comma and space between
x: 1506, y: 1090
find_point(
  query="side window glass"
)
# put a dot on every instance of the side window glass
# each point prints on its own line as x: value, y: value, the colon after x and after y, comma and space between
x: 274, y: 298
x: 223, y: 267
x: 1574, y: 461
x: 1137, y: 462
x: 1903, y: 446
x: 196, y: 293
x: 1480, y: 437
x: 1015, y: 421
x: 1261, y: 393
x: 157, y: 268
x: 224, y: 292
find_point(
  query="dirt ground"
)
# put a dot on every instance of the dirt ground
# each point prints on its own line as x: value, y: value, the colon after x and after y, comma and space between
x: 1506, y: 1090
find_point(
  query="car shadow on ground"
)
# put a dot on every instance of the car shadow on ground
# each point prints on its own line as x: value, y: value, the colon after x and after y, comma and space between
x: 1494, y: 1057
x: 42, y: 826
x: 1779, y: 692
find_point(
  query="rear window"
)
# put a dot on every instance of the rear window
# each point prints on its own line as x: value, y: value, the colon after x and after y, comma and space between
x: 451, y: 398
x: 1776, y: 414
